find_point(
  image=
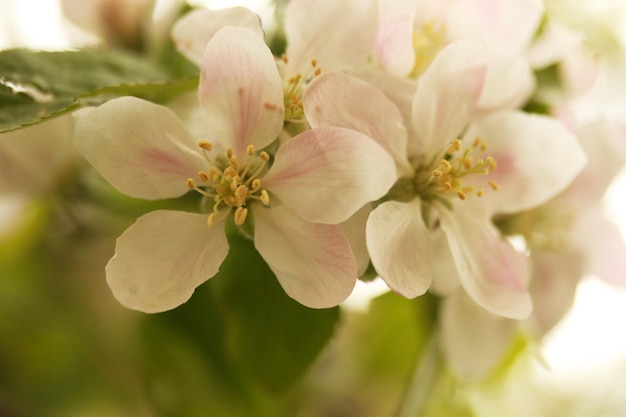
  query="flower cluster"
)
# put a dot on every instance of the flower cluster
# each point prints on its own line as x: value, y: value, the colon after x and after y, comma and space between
x: 413, y: 141
x: 396, y: 139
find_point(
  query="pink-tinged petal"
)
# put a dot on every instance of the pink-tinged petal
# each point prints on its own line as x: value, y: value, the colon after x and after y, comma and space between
x: 192, y: 32
x: 326, y: 174
x: 553, y: 287
x: 354, y: 229
x: 492, y: 272
x: 508, y: 84
x: 338, y: 34
x: 400, y: 92
x: 447, y: 94
x: 162, y: 258
x: 400, y: 247
x: 141, y: 148
x: 340, y: 100
x: 605, y: 146
x: 508, y: 25
x: 313, y: 262
x: 394, y: 42
x: 536, y: 157
x: 241, y: 90
x: 473, y: 340
x: 601, y: 242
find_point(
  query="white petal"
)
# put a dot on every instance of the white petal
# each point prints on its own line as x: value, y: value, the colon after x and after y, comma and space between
x: 508, y: 84
x: 162, y: 258
x: 337, y: 99
x: 338, y: 34
x: 394, y: 41
x: 401, y: 92
x: 400, y: 247
x: 354, y: 229
x: 492, y: 272
x: 192, y: 32
x: 473, y: 340
x: 313, y: 262
x: 553, y: 287
x: 141, y: 148
x: 325, y: 175
x: 447, y: 94
x: 508, y: 25
x: 536, y: 157
x: 241, y: 90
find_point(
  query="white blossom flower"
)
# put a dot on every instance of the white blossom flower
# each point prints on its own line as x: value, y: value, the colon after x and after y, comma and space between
x: 443, y: 186
x: 291, y: 202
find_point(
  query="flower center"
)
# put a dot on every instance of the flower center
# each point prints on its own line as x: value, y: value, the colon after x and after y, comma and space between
x: 231, y: 185
x: 443, y: 177
x: 426, y: 46
x: 293, y: 89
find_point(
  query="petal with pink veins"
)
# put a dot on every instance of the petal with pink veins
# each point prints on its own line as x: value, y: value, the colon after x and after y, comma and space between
x: 326, y: 174
x: 241, y: 90
x: 492, y: 272
x: 536, y: 158
x: 400, y: 247
x: 337, y: 99
x: 394, y: 41
x: 141, y: 148
x: 192, y: 31
x: 162, y: 258
x: 447, y: 94
x: 313, y: 262
x: 338, y: 34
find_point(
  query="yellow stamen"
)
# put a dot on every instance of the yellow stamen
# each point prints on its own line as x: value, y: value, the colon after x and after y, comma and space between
x: 240, y: 215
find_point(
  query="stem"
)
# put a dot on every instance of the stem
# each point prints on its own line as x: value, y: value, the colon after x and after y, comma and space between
x: 422, y: 382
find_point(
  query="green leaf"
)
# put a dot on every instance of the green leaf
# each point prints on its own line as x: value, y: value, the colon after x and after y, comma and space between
x: 273, y: 338
x: 158, y: 92
x: 71, y: 73
x: 55, y: 83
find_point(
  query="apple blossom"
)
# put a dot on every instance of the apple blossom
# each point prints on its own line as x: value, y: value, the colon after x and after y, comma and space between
x: 290, y: 200
x: 456, y: 160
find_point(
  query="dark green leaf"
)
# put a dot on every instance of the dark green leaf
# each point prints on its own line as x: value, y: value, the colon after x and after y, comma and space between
x: 55, y: 83
x: 273, y: 338
x: 71, y: 73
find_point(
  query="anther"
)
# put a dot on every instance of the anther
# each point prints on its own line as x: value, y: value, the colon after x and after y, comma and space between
x: 480, y: 193
x: 493, y: 185
x: 437, y: 173
x: 240, y: 195
x: 240, y: 215
x: 229, y: 153
x: 191, y: 184
x: 234, y: 162
x: 265, y: 198
x: 461, y: 195
x: 203, y: 176
x: 284, y: 58
x: 314, y: 63
x: 265, y: 156
x: 256, y: 184
x: 207, y: 146
x: 250, y: 150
